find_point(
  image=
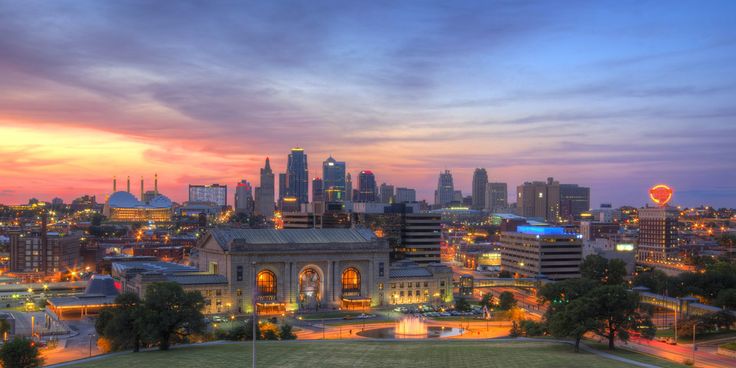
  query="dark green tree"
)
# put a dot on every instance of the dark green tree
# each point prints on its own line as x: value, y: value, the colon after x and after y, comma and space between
x: 506, y: 300
x: 515, y: 329
x: 487, y: 301
x: 574, y: 319
x: 20, y: 353
x: 616, y: 310
x: 171, y: 312
x: 462, y: 305
x: 286, y: 333
x: 123, y: 324
x: 270, y: 334
x: 558, y: 294
x: 249, y: 330
x: 605, y: 271
x: 726, y: 298
x: 656, y: 280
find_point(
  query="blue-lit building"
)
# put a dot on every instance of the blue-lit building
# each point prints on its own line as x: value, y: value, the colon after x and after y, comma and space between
x: 333, y: 175
x: 541, y: 251
x: 297, y: 175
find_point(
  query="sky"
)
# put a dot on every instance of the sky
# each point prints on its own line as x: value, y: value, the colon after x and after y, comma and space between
x: 615, y: 95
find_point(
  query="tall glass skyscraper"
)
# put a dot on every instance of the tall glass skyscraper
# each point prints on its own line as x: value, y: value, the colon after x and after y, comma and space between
x: 445, y: 189
x: 333, y: 174
x: 367, y: 186
x: 298, y: 175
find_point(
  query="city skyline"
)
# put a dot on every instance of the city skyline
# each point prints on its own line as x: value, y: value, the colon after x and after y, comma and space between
x: 615, y: 96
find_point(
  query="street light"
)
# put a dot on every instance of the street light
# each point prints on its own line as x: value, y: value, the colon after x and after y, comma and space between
x: 90, y: 343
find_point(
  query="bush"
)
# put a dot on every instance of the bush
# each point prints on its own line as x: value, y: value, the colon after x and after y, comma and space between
x: 20, y: 353
x: 531, y: 328
x: 286, y: 333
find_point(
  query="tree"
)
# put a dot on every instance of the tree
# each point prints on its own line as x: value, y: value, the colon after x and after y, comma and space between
x: 20, y: 353
x: 558, y: 294
x: 123, y: 325
x: 726, y: 298
x: 487, y: 301
x: 574, y: 320
x: 616, y: 310
x: 249, y: 330
x: 656, y: 280
x: 506, y: 300
x: 608, y: 272
x: 172, y: 312
x: 531, y: 328
x: 461, y: 304
x: 515, y: 329
x: 286, y: 333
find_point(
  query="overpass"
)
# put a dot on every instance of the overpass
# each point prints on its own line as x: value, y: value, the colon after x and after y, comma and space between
x: 468, y: 283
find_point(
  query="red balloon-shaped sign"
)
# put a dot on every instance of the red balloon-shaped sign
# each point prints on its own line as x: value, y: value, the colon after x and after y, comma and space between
x: 661, y: 194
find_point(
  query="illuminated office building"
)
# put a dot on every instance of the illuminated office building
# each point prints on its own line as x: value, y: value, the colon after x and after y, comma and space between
x: 333, y: 174
x: 214, y: 193
x: 535, y: 251
x: 297, y: 175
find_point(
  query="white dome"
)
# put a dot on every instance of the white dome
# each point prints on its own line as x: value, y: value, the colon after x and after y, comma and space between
x: 123, y: 200
x: 160, y: 201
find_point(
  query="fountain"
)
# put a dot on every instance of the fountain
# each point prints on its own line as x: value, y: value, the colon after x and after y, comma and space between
x: 410, y: 327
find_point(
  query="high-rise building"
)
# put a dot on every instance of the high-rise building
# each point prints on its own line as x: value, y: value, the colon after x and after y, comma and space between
x: 539, y: 200
x: 658, y: 236
x: 244, y: 198
x: 404, y: 195
x: 421, y: 237
x: 386, y: 193
x: 533, y: 251
x: 333, y: 174
x: 283, y: 185
x: 480, y: 181
x: 366, y: 186
x: 318, y: 194
x: 349, y: 188
x: 457, y: 197
x: 265, y: 193
x: 298, y: 175
x: 44, y: 252
x: 496, y: 197
x: 574, y: 200
x: 445, y: 189
x: 214, y: 193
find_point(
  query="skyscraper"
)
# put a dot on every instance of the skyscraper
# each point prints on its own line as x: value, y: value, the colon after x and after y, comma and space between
x: 366, y: 186
x: 265, y: 193
x: 349, y: 188
x: 333, y: 174
x: 658, y: 239
x: 405, y: 195
x: 574, y: 200
x: 214, y: 193
x: 244, y: 198
x: 445, y: 189
x: 386, y: 193
x: 283, y: 186
x: 496, y: 197
x: 480, y: 181
x: 298, y: 175
x: 539, y: 199
x: 318, y: 190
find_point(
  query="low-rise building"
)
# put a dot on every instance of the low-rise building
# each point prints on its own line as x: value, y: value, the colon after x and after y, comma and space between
x: 536, y: 251
x: 411, y: 283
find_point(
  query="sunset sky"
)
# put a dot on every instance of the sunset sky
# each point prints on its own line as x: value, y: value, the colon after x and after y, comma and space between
x: 615, y: 95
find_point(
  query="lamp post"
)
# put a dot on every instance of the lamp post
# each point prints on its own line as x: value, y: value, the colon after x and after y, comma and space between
x: 255, y: 320
x: 694, y: 348
x: 90, y: 343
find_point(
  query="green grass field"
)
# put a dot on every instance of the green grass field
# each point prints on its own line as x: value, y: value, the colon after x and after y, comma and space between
x: 423, y: 354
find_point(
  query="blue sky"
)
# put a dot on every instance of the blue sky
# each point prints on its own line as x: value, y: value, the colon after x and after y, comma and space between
x: 615, y: 95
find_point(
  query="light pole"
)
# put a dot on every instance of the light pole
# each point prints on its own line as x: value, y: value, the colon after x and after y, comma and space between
x: 255, y: 320
x: 90, y: 343
x: 694, y: 324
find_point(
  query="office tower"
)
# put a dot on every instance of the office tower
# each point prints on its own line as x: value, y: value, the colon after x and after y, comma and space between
x: 214, y: 193
x: 445, y: 189
x: 533, y: 251
x: 421, y: 237
x: 539, y: 200
x: 283, y: 186
x: 574, y: 200
x: 480, y: 181
x: 366, y: 186
x: 27, y: 252
x: 317, y: 190
x: 386, y: 193
x: 658, y: 237
x: 404, y: 195
x: 244, y: 198
x: 496, y: 197
x: 333, y: 174
x: 265, y: 193
x: 349, y: 188
x: 298, y: 175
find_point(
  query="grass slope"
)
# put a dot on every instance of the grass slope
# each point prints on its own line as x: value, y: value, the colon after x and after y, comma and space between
x: 409, y: 354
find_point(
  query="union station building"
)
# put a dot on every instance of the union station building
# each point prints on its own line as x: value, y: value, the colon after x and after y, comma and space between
x: 298, y: 269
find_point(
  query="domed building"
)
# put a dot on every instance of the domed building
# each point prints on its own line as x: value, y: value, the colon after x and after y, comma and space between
x: 122, y: 206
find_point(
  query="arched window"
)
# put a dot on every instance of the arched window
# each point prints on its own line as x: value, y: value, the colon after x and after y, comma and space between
x: 351, y: 281
x: 266, y: 283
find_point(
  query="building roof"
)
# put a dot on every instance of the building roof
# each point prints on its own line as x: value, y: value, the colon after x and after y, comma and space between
x: 102, y: 285
x: 407, y: 268
x: 227, y: 237
x: 197, y: 278
x: 151, y: 266
x: 126, y: 200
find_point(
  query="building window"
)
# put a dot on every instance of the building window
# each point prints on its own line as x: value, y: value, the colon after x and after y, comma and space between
x: 380, y: 286
x: 266, y: 284
x: 393, y: 285
x: 239, y: 292
x: 426, y: 284
x: 239, y: 273
x: 380, y: 269
x: 351, y: 281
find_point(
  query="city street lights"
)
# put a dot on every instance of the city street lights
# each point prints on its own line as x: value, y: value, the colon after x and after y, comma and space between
x: 90, y: 343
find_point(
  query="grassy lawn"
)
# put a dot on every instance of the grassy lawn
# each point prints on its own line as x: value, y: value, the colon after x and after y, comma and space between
x: 409, y: 354
x: 729, y: 346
